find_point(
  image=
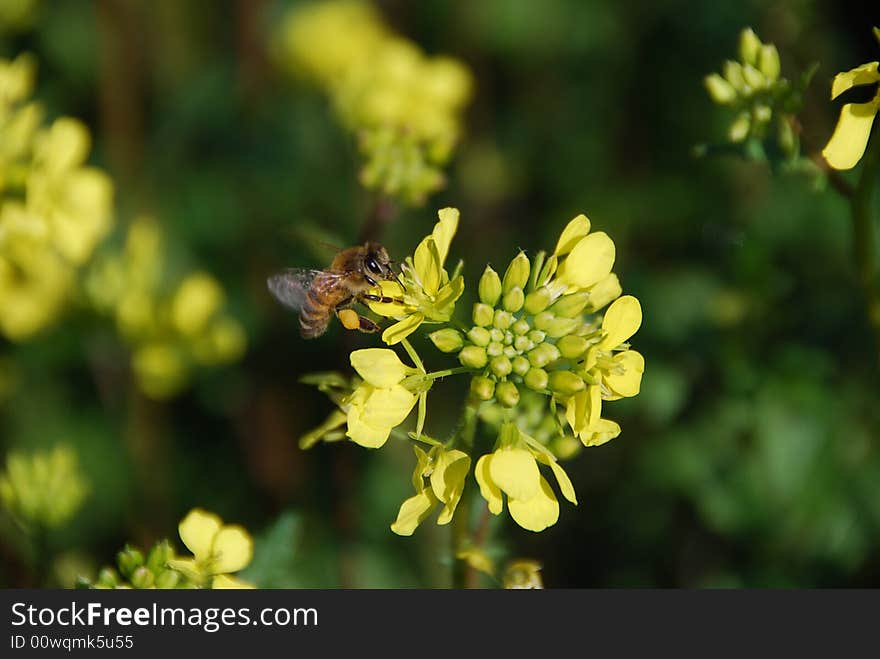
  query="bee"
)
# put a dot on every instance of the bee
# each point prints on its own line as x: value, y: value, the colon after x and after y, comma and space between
x: 318, y: 294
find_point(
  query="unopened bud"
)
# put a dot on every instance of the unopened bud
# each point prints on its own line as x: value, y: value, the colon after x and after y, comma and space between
x: 159, y: 555
x: 496, y: 335
x: 523, y: 343
x: 490, y: 287
x: 570, y: 306
x: 483, y: 314
x: 572, y: 347
x: 537, y: 336
x: 749, y: 46
x: 538, y: 300
x: 754, y: 78
x: 107, y: 578
x: 514, y: 299
x: 537, y: 379
x: 142, y: 578
x: 128, y: 560
x: 500, y: 366
x: 479, y: 336
x: 562, y: 326
x: 520, y: 327
x: 507, y: 393
x: 520, y: 365
x: 482, y: 387
x: 167, y: 579
x: 447, y: 339
x: 543, y: 354
x: 768, y: 62
x: 517, y: 274
x: 502, y: 319
x: 565, y: 383
x: 720, y: 91
x: 473, y: 357
x: 739, y: 129
x: 733, y: 73
x: 495, y: 348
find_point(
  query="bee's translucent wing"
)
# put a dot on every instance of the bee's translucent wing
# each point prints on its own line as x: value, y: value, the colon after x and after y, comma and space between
x: 291, y: 286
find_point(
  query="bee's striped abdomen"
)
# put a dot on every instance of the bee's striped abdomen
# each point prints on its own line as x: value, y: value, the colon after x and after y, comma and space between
x: 322, y: 297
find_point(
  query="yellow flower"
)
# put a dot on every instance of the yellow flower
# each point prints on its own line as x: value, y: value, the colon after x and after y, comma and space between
x: 380, y: 402
x: 44, y: 488
x: 614, y: 370
x: 426, y: 293
x: 512, y: 469
x: 850, y: 138
x: 522, y: 574
x: 218, y: 550
x: 438, y: 478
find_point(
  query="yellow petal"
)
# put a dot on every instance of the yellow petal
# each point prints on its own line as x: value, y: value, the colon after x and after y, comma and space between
x: 364, y: 435
x: 379, y: 366
x: 605, y: 430
x: 445, y: 301
x: 594, y: 408
x: 590, y: 261
x: 622, y: 320
x: 428, y: 267
x: 515, y: 471
x: 233, y: 549
x: 335, y: 420
x: 423, y: 461
x: 850, y: 138
x: 413, y: 511
x: 402, y: 329
x: 477, y: 559
x: 604, y: 292
x: 576, y: 410
x: 571, y: 235
x: 444, y: 230
x: 225, y: 582
x: 565, y: 485
x: 488, y: 490
x: 861, y: 75
x: 447, y: 481
x: 388, y: 407
x: 537, y: 513
x: 197, y: 531
x: 629, y: 382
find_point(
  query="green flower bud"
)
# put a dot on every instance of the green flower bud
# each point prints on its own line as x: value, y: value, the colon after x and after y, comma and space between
x: 490, y: 287
x: 572, y: 347
x: 520, y: 327
x: 482, y: 387
x: 739, y: 129
x: 570, y: 306
x: 159, y: 555
x: 768, y: 62
x: 787, y: 137
x: 447, y: 339
x: 479, y: 336
x: 514, y: 299
x: 565, y: 383
x: 494, y: 349
x: 142, y: 578
x: 749, y: 46
x: 167, y: 579
x: 537, y: 379
x: 537, y: 336
x: 543, y: 354
x: 566, y: 447
x: 473, y: 357
x: 501, y: 366
x: 538, y: 300
x: 508, y: 338
x: 754, y: 78
x: 502, y: 320
x: 520, y: 365
x: 547, y: 270
x: 542, y: 320
x: 762, y: 113
x: 128, y: 560
x: 720, y: 91
x: 496, y: 335
x: 517, y: 273
x: 107, y: 578
x: 523, y: 343
x: 510, y: 352
x: 483, y: 314
x: 562, y: 326
x: 507, y: 393
x: 733, y: 73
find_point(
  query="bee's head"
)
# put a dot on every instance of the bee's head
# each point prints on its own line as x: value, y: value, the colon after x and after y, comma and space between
x: 377, y: 263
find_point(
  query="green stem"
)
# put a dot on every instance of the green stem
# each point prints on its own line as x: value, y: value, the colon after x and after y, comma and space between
x: 864, y: 245
x: 461, y: 523
x: 413, y: 354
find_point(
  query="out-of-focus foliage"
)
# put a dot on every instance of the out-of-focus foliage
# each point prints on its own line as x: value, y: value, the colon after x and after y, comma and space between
x: 750, y: 456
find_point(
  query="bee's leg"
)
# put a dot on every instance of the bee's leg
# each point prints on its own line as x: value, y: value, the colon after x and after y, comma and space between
x: 382, y: 298
x: 352, y: 320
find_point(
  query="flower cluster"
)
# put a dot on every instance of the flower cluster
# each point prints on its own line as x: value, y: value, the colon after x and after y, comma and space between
x: 403, y: 106
x: 541, y: 357
x: 218, y: 550
x: 850, y: 138
x: 754, y: 89
x: 44, y: 489
x: 53, y: 208
x: 171, y: 327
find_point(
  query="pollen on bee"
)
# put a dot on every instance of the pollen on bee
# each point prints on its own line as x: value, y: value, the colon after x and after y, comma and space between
x: 349, y: 319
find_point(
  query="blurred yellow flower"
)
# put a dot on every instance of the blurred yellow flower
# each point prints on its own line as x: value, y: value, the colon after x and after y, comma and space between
x: 218, y: 550
x: 425, y: 292
x: 522, y: 574
x: 45, y: 488
x: 438, y: 478
x: 850, y: 138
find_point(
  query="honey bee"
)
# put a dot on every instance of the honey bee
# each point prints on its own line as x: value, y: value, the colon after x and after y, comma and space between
x: 317, y: 294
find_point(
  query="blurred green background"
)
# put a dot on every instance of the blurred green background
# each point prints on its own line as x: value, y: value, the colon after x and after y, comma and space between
x: 750, y: 459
